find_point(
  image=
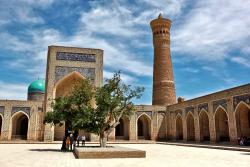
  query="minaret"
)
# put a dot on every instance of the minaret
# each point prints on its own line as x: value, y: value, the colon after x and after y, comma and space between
x: 163, y: 79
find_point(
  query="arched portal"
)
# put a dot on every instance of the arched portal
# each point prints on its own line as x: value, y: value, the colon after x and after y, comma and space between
x: 20, y: 123
x: 179, y: 128
x: 204, y: 126
x: 221, y: 125
x: 1, y: 122
x: 190, y: 127
x: 242, y: 115
x: 63, y: 88
x: 122, y: 129
x: 144, y: 127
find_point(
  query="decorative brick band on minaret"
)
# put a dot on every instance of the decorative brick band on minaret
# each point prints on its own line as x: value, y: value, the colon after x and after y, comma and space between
x: 163, y: 79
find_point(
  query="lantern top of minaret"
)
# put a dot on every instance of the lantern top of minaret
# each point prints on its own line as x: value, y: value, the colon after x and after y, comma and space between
x: 160, y: 16
x: 160, y: 21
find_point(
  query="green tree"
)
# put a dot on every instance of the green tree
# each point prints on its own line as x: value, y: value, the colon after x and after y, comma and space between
x: 112, y: 102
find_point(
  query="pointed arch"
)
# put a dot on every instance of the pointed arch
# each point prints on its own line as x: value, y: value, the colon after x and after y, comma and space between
x: 204, y: 126
x: 20, y: 125
x: 122, y: 130
x: 190, y: 127
x: 179, y: 127
x: 63, y: 87
x: 221, y: 124
x: 144, y: 127
x: 242, y: 117
x: 220, y: 108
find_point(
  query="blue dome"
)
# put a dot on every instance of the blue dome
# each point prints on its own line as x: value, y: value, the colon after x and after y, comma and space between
x: 37, y: 86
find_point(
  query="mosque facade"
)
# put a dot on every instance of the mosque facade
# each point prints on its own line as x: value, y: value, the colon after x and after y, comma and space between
x: 220, y: 116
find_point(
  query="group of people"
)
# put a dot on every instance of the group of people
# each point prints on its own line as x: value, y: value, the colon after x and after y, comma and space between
x: 72, y: 140
x: 244, y: 141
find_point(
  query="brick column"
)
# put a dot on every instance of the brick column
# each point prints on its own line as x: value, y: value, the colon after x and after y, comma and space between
x: 212, y: 128
x: 133, y: 128
x: 48, y: 133
x: 6, y: 123
x: 231, y: 121
x: 184, y: 124
x: 154, y: 126
x: 196, y: 125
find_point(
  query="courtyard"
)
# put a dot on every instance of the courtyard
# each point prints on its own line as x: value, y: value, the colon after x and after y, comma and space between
x: 35, y: 155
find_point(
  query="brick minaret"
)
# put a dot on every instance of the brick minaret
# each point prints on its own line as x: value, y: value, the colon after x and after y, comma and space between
x: 163, y: 80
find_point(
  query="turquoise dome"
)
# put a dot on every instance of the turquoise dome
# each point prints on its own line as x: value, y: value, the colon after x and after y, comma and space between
x: 37, y: 86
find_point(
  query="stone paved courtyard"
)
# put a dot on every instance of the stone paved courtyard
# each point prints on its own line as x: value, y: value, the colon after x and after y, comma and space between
x: 24, y: 155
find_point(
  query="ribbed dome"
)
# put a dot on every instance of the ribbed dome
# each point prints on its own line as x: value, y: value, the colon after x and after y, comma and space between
x: 37, y: 86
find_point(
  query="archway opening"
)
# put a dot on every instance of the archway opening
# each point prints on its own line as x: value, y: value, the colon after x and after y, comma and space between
x: 1, y: 122
x: 144, y: 127
x: 122, y: 129
x: 190, y: 128
x: 161, y: 127
x: 242, y: 115
x: 179, y: 128
x: 20, y: 124
x: 204, y: 127
x: 221, y: 125
x: 63, y: 88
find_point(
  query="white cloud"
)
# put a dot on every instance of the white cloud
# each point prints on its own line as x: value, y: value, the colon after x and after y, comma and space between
x: 191, y: 70
x: 22, y: 11
x: 113, y: 19
x: 125, y: 78
x: 167, y: 7
x: 243, y: 61
x: 13, y: 91
x: 212, y: 29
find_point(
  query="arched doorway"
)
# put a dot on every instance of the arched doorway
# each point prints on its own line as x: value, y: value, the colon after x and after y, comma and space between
x: 20, y: 123
x: 221, y: 125
x: 179, y: 128
x: 242, y: 115
x: 62, y: 88
x: 190, y: 127
x: 204, y: 126
x: 122, y: 129
x: 144, y: 127
x: 161, y: 127
x: 1, y: 122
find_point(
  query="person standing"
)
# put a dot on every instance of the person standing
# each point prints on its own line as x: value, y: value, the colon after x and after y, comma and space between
x: 67, y: 143
x: 71, y: 141
x: 83, y: 140
x: 78, y: 140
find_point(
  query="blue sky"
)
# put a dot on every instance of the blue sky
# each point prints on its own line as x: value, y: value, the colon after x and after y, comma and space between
x: 210, y: 41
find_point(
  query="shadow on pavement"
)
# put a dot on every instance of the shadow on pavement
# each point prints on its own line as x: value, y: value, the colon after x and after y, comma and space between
x: 245, y: 153
x: 49, y: 150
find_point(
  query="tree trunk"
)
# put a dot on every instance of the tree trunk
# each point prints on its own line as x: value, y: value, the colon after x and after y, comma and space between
x: 103, y: 139
x: 65, y: 136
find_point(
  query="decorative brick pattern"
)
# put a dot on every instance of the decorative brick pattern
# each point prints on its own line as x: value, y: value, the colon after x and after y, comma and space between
x: 60, y: 72
x: 203, y: 106
x: 178, y: 112
x: 189, y: 109
x: 139, y: 113
x: 17, y: 109
x: 163, y: 80
x: 75, y: 57
x: 237, y: 99
x: 221, y: 102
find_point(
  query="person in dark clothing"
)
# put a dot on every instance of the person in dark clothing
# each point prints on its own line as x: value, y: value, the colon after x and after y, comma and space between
x: 71, y: 141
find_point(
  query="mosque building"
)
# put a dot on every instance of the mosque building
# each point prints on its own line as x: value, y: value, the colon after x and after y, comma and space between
x: 220, y: 116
